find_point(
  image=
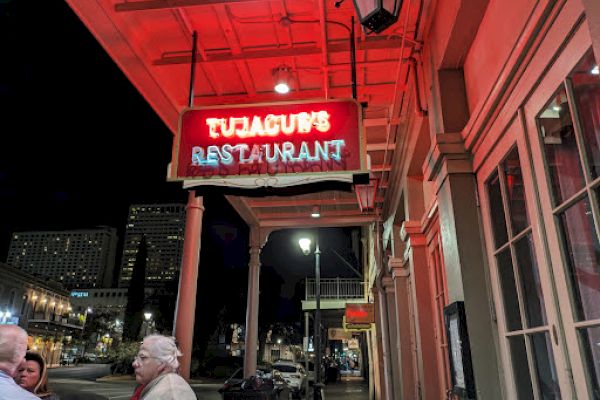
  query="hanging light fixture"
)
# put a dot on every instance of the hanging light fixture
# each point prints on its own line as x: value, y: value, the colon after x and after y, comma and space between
x: 282, y: 76
x: 377, y: 15
x: 365, y: 194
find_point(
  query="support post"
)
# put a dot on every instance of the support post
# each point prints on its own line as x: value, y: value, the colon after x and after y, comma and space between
x: 404, y: 328
x: 353, y: 59
x: 185, y: 310
x: 317, y: 316
x: 388, y: 369
x: 251, y: 340
x: 193, y: 68
x: 396, y: 366
x: 306, y: 334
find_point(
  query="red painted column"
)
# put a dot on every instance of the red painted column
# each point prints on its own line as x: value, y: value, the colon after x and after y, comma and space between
x: 188, y: 282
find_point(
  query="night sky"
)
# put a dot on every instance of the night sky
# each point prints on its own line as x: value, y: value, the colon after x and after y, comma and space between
x: 79, y: 145
x: 78, y: 142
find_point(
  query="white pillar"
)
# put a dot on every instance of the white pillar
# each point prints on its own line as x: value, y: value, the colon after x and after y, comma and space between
x: 257, y: 240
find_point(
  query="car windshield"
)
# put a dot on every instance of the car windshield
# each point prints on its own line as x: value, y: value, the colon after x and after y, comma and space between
x: 285, y: 368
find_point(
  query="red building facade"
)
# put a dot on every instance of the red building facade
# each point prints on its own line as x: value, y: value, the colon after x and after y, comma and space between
x: 502, y: 211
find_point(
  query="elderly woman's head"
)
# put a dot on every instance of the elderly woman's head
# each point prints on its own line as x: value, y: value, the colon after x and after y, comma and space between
x: 157, y: 356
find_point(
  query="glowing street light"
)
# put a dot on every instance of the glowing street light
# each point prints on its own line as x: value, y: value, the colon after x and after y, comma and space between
x: 305, y: 245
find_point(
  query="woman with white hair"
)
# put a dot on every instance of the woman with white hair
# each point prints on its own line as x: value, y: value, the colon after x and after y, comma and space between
x: 156, y: 368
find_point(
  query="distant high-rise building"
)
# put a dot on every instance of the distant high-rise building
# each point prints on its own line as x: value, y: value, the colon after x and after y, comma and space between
x: 76, y: 258
x: 164, y: 228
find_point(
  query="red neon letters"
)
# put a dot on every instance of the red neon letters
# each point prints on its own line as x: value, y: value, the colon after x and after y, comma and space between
x: 271, y: 125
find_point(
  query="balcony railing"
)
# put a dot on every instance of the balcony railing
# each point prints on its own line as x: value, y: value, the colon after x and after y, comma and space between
x: 336, y: 289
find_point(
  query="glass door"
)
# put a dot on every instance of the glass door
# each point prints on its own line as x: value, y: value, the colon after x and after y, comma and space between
x: 523, y: 294
x: 564, y: 127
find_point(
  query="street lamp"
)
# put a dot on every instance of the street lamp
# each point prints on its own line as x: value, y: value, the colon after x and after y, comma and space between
x: 148, y: 317
x: 305, y: 245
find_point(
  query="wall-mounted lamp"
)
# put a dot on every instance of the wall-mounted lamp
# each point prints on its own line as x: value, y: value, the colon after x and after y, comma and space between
x: 595, y: 70
x: 282, y: 76
x: 365, y: 194
x: 377, y: 15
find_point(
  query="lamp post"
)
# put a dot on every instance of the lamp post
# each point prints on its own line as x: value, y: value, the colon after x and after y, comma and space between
x: 305, y: 245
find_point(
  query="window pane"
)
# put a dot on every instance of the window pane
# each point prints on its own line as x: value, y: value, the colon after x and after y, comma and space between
x: 515, y: 192
x: 509, y: 291
x: 560, y: 148
x: 518, y: 353
x: 586, y: 88
x: 590, y: 343
x: 582, y: 251
x: 497, y: 211
x: 530, y: 281
x: 544, y: 365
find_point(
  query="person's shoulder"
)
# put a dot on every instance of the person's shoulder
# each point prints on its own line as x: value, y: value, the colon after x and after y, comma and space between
x: 11, y: 391
x: 175, y: 377
x: 180, y: 385
x: 170, y: 386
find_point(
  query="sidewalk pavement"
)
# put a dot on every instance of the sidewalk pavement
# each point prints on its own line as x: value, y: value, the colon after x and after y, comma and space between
x: 347, y: 389
x: 131, y: 378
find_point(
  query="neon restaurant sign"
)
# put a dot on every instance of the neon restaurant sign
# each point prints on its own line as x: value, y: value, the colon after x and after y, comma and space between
x: 275, y: 144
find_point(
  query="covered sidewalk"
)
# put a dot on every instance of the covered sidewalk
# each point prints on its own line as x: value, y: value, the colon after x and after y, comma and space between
x: 480, y: 119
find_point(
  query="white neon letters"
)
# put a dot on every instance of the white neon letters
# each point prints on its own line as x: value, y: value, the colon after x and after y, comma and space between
x: 285, y: 152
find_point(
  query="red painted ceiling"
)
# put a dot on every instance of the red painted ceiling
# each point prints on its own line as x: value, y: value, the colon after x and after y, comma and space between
x: 240, y: 43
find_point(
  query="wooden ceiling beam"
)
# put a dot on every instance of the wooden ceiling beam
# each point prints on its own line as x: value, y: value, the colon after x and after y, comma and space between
x: 244, y: 211
x: 354, y: 220
x: 368, y: 122
x: 380, y: 146
x: 299, y: 49
x: 304, y: 202
x: 338, y: 92
x: 381, y: 168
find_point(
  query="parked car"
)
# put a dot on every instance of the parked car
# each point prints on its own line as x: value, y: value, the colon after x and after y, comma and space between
x: 238, y: 376
x: 310, y: 374
x: 262, y: 386
x: 67, y: 359
x: 294, y: 375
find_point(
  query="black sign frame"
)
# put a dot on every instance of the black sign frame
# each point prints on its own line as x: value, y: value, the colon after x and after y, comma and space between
x: 459, y: 351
